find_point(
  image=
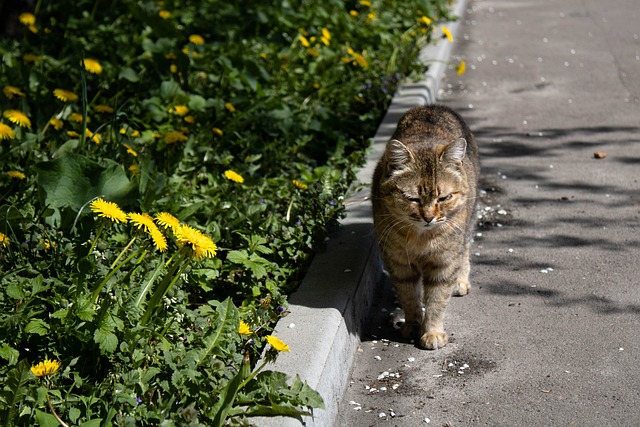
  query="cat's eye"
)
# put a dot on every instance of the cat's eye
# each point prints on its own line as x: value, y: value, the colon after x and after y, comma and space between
x: 414, y: 199
x: 445, y: 198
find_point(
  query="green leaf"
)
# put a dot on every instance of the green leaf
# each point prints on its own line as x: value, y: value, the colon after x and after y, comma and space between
x: 14, y: 290
x: 9, y: 353
x: 273, y: 411
x: 227, y: 396
x: 92, y: 423
x: 37, y: 326
x: 72, y: 180
x: 16, y: 389
x: 128, y: 73
x: 107, y: 340
x: 227, y: 322
x: 74, y: 414
x: 46, y: 420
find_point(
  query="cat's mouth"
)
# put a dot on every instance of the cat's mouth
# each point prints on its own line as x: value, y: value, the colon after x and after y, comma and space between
x: 434, y: 223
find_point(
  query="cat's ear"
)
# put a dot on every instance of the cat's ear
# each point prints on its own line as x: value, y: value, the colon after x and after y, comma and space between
x: 455, y: 152
x: 399, y: 154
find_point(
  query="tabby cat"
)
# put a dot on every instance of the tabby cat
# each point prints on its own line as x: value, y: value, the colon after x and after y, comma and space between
x: 424, y: 195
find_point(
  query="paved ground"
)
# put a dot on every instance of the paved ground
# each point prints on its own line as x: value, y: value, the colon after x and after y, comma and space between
x: 549, y: 335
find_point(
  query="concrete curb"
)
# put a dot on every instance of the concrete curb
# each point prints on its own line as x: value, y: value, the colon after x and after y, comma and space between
x: 331, y: 305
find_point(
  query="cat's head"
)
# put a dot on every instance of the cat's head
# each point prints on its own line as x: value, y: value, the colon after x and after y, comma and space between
x: 425, y: 185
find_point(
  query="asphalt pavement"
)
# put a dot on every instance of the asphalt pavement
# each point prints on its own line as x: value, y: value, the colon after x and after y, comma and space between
x: 549, y: 334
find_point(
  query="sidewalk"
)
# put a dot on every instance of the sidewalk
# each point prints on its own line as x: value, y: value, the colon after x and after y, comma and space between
x: 549, y: 334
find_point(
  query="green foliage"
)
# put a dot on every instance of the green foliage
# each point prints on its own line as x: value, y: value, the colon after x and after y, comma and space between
x: 246, y: 122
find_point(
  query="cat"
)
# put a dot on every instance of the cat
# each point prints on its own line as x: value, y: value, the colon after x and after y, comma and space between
x: 424, y: 197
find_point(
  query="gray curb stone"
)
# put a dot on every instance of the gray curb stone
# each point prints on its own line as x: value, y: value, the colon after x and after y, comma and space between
x: 328, y: 310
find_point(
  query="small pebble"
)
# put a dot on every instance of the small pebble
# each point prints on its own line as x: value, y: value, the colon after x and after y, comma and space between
x: 377, y: 357
x: 382, y: 415
x: 291, y: 325
x: 411, y: 359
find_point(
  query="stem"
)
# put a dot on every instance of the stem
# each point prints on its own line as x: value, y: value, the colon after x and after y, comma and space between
x: 252, y: 376
x: 83, y: 79
x: 96, y: 291
x: 167, y: 283
x: 55, y: 414
x: 93, y: 245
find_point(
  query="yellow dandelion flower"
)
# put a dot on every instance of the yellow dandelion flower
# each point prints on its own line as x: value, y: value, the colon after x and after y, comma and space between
x: 277, y: 343
x: 447, y: 34
x: 173, y: 68
x: 371, y: 16
x: 164, y: 14
x: 190, y: 119
x: 229, y: 106
x: 4, y: 240
x: 234, y: 176
x: 218, y: 131
x: 45, y: 368
x: 304, y: 42
x: 95, y: 137
x: 30, y: 57
x: 181, y: 110
x: 244, y: 329
x: 11, y: 91
x: 170, y: 55
x: 6, y: 132
x: 101, y: 108
x: 263, y: 55
x: 313, y: 52
x: 196, y: 39
x: 130, y: 150
x: 27, y: 18
x: 159, y: 241
x: 353, y: 13
x: 73, y: 134
x: 92, y: 66
x: 145, y: 222
x: 201, y: 244
x: 365, y: 3
x: 17, y: 117
x: 175, y: 136
x: 108, y: 210
x: 65, y: 95
x: 77, y: 117
x: 167, y: 220
x: 141, y: 221
x: 425, y: 20
x: 461, y: 68
x: 135, y: 133
x: 47, y: 243
x: 33, y: 29
x: 300, y: 185
x: 360, y: 59
x: 56, y: 123
x: 16, y: 174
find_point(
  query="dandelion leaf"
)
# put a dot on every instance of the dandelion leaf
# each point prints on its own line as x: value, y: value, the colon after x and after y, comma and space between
x: 15, y: 390
x: 46, y: 420
x: 70, y: 181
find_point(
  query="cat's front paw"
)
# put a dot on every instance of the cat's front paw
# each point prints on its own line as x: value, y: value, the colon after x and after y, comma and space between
x: 461, y: 288
x: 434, y: 340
